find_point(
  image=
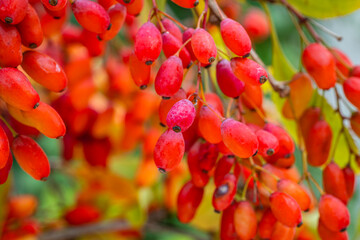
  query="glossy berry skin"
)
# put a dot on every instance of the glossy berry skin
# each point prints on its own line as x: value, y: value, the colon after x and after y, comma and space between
x: 245, y: 220
x: 326, y: 234
x: 186, y: 36
x: 227, y: 227
x: 229, y: 84
x: 171, y: 45
x: 181, y: 116
x: 318, y: 143
x: 209, y: 124
x: 44, y: 70
x: 268, y: 143
x: 252, y: 97
x: 45, y: 119
x: 124, y: 2
x: 239, y: 138
x: 54, y: 5
x: 13, y: 11
x: 352, y: 90
x: 4, y: 148
x: 267, y: 224
x: 248, y: 71
x: 31, y: 158
x: 135, y: 7
x: 30, y: 29
x: 172, y: 28
x: 334, y: 182
x: 320, y: 64
x: 285, y: 209
x: 169, y: 150
x: 186, y: 3
x: 198, y: 177
x: 166, y: 105
x: 308, y: 119
x: 97, y: 151
x: 225, y: 192
x: 140, y: 72
x: 223, y: 167
x: 82, y: 214
x: 341, y: 58
x: 283, y: 232
x: 16, y: 90
x: 91, y: 16
x: 148, y: 43
x: 10, y: 46
x: 208, y: 154
x: 333, y: 213
x: 188, y: 201
x: 4, y: 172
x: 235, y: 37
x: 117, y: 14
x: 256, y: 24
x: 355, y: 123
x: 203, y: 46
x: 169, y: 77
x: 349, y: 180
x: 295, y: 191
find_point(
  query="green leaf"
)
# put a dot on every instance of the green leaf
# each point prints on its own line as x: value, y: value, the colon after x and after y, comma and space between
x: 325, y: 8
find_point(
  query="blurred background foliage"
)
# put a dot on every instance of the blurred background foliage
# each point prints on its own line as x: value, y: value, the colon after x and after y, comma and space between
x: 281, y: 50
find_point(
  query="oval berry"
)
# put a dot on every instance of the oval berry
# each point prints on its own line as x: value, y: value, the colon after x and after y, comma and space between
x: 117, y: 14
x: 181, y: 116
x: 248, y: 71
x: 334, y: 182
x: 333, y: 213
x: 171, y: 45
x: 209, y: 124
x: 268, y: 143
x: 229, y: 84
x: 186, y: 3
x: 188, y: 201
x: 225, y: 192
x: 352, y: 90
x: 203, y: 46
x: 169, y: 77
x: 245, y: 220
x: 13, y: 11
x: 10, y: 46
x: 296, y: 191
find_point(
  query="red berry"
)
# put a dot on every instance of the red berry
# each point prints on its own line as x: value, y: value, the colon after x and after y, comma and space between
x: 334, y: 182
x: 257, y: 24
x: 188, y: 201
x: 82, y: 214
x: 225, y: 192
x: 267, y: 224
x: 169, y: 77
x: 203, y: 46
x: 186, y: 36
x: 140, y: 72
x: 54, y: 5
x: 320, y: 64
x: 10, y: 46
x: 186, y: 3
x: 172, y: 28
x: 355, y: 123
x: 340, y: 59
x: 227, y: 228
x: 296, y: 191
x: 229, y: 84
x: 245, y: 220
x: 198, y: 177
x: 235, y: 37
x: 166, y: 104
x: 117, y: 14
x: 181, y: 116
x: 349, y: 180
x: 4, y: 172
x: 209, y: 124
x: 4, y: 148
x: 13, y: 11
x: 248, y: 71
x: 326, y: 234
x: 268, y: 143
x: 352, y: 90
x: 148, y: 43
x: 223, y: 167
x: 333, y: 213
x: 97, y: 151
x: 171, y: 45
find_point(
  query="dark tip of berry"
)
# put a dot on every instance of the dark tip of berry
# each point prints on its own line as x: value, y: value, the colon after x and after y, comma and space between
x: 44, y: 179
x: 176, y: 129
x: 204, y: 171
x: 8, y: 20
x: 189, y: 65
x: 163, y: 125
x: 262, y: 79
x: 99, y: 38
x: 126, y: 1
x: 36, y: 105
x: 32, y: 45
x: 207, y: 66
x: 53, y: 2
x: 222, y: 190
x: 57, y: 18
x: 246, y: 55
x: 270, y: 152
x: 211, y: 60
x: 343, y: 230
x: 62, y: 90
x: 142, y: 87
x: 161, y: 170
x: 59, y: 137
x: 300, y: 224
x: 255, y: 153
x: 137, y: 15
x: 231, y: 156
x: 287, y: 155
x: 165, y: 98
x: 109, y: 27
x: 307, y: 210
x: 196, y: 3
x: 236, y: 97
x: 149, y: 62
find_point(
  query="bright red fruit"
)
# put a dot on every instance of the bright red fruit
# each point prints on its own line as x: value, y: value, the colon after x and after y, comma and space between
x: 334, y: 182
x: 245, y: 220
x: 349, y: 180
x: 352, y: 90
x: 283, y: 232
x: 44, y: 70
x: 188, y: 201
x: 355, y: 123
x: 31, y: 158
x: 186, y: 3
x: 171, y: 45
x: 229, y: 84
x: 326, y: 234
x: 225, y: 192
x: 82, y: 214
x: 342, y: 61
x: 318, y: 143
x: 186, y: 36
x: 54, y: 5
x: 91, y: 16
x: 16, y: 90
x: 203, y: 46
x: 117, y: 14
x: 181, y: 116
x: 223, y: 167
x: 148, y: 43
x: 97, y: 151
x: 239, y: 138
x: 320, y: 64
x: 30, y: 29
x: 296, y: 191
x: 134, y: 8
x: 169, y: 77
x: 4, y: 172
x: 268, y: 143
x: 10, y: 46
x: 166, y: 104
x: 198, y: 177
x: 267, y: 224
x: 172, y: 28
x: 257, y: 24
x: 333, y: 213
x: 13, y: 11
x: 209, y: 124
x: 248, y: 71
x: 308, y: 119
x: 140, y: 72
x: 285, y: 209
x: 227, y: 228
x: 235, y: 37
x: 4, y: 148
x: 169, y: 150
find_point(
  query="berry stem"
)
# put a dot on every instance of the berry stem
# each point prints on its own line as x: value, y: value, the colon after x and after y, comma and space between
x: 316, y: 184
x: 326, y: 30
x: 14, y: 133
x: 228, y: 110
x: 182, y: 46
